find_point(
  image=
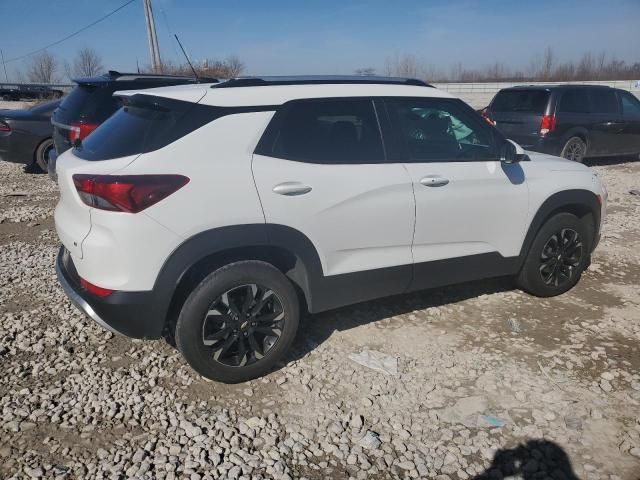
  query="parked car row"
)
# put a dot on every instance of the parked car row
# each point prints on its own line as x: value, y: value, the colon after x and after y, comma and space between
x: 572, y: 121
x: 214, y: 214
x: 9, y: 92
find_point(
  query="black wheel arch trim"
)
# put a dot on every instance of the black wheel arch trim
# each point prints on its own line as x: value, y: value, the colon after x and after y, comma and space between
x: 567, y: 200
x: 303, y: 268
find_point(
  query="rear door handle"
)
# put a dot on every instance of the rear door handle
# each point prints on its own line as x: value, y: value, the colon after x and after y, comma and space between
x: 291, y: 189
x: 434, y: 181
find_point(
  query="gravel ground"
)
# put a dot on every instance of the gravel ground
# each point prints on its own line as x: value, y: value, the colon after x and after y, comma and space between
x: 490, y: 382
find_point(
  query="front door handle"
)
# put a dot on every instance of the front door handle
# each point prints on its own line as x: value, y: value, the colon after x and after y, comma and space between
x: 291, y: 189
x: 434, y: 181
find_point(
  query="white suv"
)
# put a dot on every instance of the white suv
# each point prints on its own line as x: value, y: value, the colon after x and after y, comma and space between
x: 214, y: 214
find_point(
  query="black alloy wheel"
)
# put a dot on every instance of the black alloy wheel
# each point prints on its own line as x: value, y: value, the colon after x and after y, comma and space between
x: 561, y: 256
x: 243, y: 324
x: 575, y: 150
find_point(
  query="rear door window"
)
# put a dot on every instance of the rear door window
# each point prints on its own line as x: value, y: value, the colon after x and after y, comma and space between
x: 604, y: 101
x: 332, y: 131
x: 525, y: 101
x: 574, y: 101
x: 144, y: 124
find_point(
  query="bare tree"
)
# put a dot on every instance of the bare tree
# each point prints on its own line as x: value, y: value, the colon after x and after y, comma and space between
x: 547, y: 63
x: 43, y: 68
x: 234, y: 66
x: 87, y: 63
x: 402, y: 66
x: 228, y: 68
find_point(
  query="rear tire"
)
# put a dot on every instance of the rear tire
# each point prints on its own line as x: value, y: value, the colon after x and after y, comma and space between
x: 575, y: 150
x: 557, y: 257
x: 238, y: 322
x: 41, y: 155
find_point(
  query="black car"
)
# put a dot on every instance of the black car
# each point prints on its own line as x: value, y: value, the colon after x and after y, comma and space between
x: 91, y: 102
x: 572, y: 121
x: 26, y: 135
x: 16, y: 92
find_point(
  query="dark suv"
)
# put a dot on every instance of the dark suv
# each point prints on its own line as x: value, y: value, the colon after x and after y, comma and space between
x: 91, y: 102
x: 572, y: 121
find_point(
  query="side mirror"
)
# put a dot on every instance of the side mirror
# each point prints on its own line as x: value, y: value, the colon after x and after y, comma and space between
x: 511, y: 152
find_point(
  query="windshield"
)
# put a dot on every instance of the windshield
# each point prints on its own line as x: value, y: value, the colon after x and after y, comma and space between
x: 528, y: 101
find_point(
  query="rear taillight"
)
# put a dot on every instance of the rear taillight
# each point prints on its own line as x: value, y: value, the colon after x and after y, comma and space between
x: 548, y: 124
x: 94, y: 289
x: 4, y: 127
x: 80, y: 130
x: 126, y: 193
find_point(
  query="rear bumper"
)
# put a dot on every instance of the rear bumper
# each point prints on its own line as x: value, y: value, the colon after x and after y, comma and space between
x: 125, y: 313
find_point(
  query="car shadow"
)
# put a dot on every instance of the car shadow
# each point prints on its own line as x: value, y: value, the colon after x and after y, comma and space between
x: 316, y: 329
x: 532, y: 460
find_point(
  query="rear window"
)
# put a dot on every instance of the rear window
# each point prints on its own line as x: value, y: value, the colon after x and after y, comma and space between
x: 526, y: 101
x: 90, y: 102
x: 144, y: 124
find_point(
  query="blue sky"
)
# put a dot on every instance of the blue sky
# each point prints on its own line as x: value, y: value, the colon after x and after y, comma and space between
x: 328, y: 36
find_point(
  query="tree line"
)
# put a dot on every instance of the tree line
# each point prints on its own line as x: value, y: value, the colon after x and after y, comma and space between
x: 47, y: 68
x: 543, y: 67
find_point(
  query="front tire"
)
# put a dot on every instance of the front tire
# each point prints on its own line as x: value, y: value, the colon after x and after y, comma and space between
x: 575, y: 150
x: 238, y: 322
x: 557, y: 257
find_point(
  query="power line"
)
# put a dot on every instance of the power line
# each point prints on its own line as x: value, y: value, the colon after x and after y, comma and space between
x: 71, y: 35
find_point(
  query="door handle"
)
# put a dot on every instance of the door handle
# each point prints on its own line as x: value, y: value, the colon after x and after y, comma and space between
x: 291, y: 189
x: 434, y: 181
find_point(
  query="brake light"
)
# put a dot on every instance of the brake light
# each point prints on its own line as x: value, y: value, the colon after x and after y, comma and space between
x: 126, y: 193
x: 4, y: 127
x: 80, y: 130
x: 94, y: 289
x: 548, y: 124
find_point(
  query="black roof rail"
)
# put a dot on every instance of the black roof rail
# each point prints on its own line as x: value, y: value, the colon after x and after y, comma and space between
x: 318, y: 80
x: 119, y: 76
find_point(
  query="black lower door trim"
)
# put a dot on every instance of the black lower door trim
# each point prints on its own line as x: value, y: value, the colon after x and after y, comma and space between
x: 450, y: 271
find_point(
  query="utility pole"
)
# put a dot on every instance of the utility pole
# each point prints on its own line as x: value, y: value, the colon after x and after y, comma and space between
x: 6, y: 77
x: 154, y: 51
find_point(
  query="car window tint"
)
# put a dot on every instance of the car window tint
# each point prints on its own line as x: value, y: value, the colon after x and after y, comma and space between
x: 436, y: 130
x: 91, y: 103
x: 604, y: 101
x: 525, y: 101
x: 574, y: 101
x: 630, y: 104
x: 334, y: 131
x: 143, y: 125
